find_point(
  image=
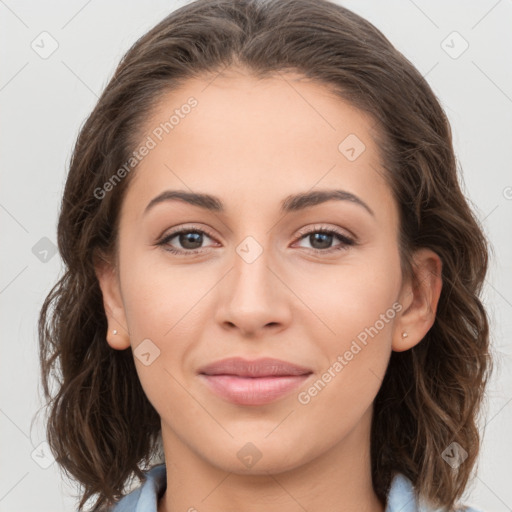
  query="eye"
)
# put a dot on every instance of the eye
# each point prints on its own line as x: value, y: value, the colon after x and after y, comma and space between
x: 190, y: 239
x: 321, y: 239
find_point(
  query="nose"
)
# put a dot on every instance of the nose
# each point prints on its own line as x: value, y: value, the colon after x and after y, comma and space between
x: 254, y: 299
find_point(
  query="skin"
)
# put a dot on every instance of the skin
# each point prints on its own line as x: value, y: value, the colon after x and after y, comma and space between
x: 252, y: 143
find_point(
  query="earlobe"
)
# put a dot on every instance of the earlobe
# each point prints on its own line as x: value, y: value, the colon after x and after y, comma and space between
x: 118, y: 340
x: 117, y: 335
x: 421, y: 298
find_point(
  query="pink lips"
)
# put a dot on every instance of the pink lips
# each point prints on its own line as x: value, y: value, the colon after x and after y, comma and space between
x: 253, y: 382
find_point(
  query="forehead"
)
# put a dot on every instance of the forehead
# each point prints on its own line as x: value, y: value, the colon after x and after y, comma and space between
x: 265, y: 138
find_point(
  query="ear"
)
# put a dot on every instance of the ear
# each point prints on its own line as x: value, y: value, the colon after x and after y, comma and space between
x: 419, y: 297
x: 117, y: 334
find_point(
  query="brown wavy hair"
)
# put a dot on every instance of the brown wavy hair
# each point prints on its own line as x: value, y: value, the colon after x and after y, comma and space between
x: 101, y: 427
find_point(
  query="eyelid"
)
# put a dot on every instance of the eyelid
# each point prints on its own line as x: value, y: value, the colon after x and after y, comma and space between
x: 185, y: 228
x: 323, y: 227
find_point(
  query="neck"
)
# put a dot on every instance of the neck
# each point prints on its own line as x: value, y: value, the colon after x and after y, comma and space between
x: 338, y: 479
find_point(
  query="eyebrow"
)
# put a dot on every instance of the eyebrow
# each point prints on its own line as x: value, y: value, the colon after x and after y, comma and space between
x: 291, y: 203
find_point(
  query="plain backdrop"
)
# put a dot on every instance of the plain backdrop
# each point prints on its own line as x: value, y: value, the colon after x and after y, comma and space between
x: 462, y: 47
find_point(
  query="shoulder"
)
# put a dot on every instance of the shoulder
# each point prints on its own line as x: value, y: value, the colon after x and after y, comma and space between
x: 402, y: 498
x: 145, y: 497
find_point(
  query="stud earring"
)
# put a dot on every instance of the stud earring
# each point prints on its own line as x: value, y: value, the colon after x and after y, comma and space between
x: 404, y: 335
x: 115, y: 331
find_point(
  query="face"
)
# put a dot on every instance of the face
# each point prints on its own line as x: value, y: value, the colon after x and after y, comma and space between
x: 257, y: 272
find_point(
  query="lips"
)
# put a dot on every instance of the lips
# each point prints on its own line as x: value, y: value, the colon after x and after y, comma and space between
x: 258, y: 382
x: 264, y: 367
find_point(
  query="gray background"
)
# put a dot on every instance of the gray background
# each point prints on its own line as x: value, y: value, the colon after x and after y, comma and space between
x: 44, y: 101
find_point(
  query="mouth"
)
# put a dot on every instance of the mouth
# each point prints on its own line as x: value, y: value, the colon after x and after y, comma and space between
x: 263, y: 367
x: 256, y: 382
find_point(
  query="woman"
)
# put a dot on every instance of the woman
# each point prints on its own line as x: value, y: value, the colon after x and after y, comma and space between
x: 271, y: 296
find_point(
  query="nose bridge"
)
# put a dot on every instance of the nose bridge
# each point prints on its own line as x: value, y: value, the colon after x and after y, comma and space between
x: 254, y: 297
x: 251, y: 274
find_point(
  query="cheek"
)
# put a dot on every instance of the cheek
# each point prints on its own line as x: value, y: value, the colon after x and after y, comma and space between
x: 163, y: 305
x: 360, y: 307
x: 351, y: 298
x: 344, y: 393
x: 161, y: 298
x: 357, y: 305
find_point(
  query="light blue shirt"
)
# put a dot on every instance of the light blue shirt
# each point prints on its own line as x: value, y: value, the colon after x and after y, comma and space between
x: 401, y: 496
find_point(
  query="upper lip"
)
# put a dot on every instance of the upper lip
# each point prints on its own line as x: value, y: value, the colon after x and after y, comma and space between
x: 264, y: 367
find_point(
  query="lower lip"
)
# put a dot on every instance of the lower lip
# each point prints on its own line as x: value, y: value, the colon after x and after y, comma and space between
x: 253, y: 391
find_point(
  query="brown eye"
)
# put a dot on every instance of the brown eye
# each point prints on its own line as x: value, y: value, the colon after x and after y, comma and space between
x: 185, y: 241
x: 190, y: 240
x: 321, y: 240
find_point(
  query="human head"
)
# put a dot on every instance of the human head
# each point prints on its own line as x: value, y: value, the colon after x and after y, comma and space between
x: 430, y: 393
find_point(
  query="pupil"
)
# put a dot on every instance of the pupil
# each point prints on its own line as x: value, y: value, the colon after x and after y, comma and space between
x: 324, y: 238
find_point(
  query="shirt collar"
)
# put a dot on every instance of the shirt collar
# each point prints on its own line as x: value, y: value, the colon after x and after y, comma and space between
x: 401, y: 496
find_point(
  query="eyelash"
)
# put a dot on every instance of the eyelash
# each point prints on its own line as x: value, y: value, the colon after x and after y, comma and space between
x: 345, y: 240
